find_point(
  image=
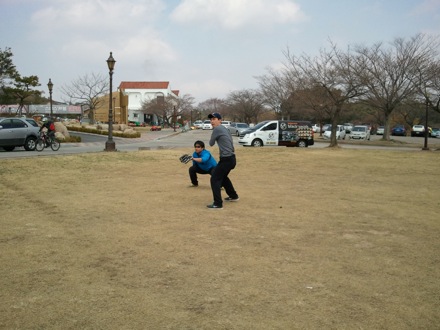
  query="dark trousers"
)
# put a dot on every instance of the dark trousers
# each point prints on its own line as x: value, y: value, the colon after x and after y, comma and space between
x: 193, y: 170
x: 220, y: 179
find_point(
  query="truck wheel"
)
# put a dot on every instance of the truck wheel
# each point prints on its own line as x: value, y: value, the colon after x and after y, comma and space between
x: 257, y: 143
x: 302, y: 144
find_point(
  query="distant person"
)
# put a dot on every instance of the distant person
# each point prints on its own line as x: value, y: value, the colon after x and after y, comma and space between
x: 221, y: 136
x: 203, y: 163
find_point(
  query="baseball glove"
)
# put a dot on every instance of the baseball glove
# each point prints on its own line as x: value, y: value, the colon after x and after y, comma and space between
x: 185, y: 158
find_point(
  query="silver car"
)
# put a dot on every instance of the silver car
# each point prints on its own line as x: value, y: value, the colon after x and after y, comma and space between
x: 198, y: 124
x: 360, y: 132
x: 237, y: 128
x: 18, y: 132
x: 380, y: 130
x: 207, y: 125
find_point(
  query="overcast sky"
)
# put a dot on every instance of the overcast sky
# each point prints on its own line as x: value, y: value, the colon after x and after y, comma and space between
x: 206, y: 48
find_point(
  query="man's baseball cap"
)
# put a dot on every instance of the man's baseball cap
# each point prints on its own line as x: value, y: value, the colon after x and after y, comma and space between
x: 215, y: 115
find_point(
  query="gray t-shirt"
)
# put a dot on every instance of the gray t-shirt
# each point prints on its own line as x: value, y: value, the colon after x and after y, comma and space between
x: 221, y: 135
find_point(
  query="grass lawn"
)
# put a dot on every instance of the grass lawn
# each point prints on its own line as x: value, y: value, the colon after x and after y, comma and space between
x: 320, y: 239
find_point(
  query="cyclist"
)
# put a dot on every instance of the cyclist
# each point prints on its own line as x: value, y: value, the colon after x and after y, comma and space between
x: 50, y: 129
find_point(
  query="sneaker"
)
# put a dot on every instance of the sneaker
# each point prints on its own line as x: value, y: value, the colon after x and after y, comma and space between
x: 213, y: 206
x: 230, y: 199
x: 194, y: 185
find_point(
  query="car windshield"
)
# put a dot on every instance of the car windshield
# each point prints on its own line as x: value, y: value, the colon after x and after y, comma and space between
x: 359, y: 129
x: 242, y: 125
x: 259, y: 125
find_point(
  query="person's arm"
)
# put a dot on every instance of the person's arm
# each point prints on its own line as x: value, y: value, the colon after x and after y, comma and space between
x: 214, y: 136
x: 196, y: 158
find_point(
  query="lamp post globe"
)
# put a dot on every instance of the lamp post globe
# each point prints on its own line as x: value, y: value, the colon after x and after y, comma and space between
x: 110, y: 145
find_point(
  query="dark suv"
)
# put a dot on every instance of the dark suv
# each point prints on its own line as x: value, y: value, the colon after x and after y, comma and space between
x: 18, y: 132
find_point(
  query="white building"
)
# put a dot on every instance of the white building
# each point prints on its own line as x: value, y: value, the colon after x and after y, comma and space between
x: 141, y: 91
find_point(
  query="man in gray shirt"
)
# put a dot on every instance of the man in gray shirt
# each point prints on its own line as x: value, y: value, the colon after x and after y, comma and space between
x: 219, y: 178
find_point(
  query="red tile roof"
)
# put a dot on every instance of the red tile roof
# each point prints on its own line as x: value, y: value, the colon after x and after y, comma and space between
x: 175, y: 91
x: 144, y: 85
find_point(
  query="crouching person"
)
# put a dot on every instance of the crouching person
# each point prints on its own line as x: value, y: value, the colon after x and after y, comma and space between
x: 203, y: 163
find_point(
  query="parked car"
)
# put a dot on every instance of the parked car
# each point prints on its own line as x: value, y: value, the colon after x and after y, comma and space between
x: 340, y: 132
x: 198, y: 124
x: 418, y: 130
x: 316, y: 128
x: 360, y: 132
x: 32, y: 122
x: 237, y: 128
x: 348, y: 127
x: 18, y: 132
x: 398, y: 130
x: 435, y: 132
x: 207, y: 124
x: 226, y: 123
x: 380, y: 130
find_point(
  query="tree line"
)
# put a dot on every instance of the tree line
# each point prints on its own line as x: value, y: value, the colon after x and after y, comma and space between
x: 384, y: 83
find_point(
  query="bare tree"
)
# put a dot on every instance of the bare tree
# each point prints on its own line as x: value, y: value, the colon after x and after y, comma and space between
x: 246, y: 105
x: 185, y: 105
x: 278, y: 93
x: 388, y: 73
x: 169, y: 108
x: 213, y: 105
x: 427, y: 80
x: 332, y: 74
x: 87, y: 90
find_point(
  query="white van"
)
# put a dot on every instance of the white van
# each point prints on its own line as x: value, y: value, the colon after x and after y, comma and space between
x: 289, y: 133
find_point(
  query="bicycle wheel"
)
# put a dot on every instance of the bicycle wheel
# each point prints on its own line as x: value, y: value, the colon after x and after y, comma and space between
x: 39, y: 145
x: 55, y: 145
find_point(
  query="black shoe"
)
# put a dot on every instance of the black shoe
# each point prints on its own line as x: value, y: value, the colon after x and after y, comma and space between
x: 230, y: 199
x: 213, y: 206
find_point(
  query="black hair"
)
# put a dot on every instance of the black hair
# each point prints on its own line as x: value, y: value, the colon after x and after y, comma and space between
x: 200, y: 143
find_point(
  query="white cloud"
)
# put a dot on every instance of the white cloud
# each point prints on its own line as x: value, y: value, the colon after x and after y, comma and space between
x: 208, y: 88
x: 233, y: 14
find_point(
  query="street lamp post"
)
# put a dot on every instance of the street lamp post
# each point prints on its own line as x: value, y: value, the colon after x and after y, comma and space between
x: 175, y: 118
x: 425, y: 145
x: 50, y: 86
x: 110, y: 145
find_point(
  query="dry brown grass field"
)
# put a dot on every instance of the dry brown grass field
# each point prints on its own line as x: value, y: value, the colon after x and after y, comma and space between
x: 320, y: 239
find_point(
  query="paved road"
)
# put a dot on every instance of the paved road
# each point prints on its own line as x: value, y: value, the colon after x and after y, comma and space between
x: 169, y: 139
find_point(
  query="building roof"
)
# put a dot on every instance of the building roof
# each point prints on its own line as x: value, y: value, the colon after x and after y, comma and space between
x: 144, y: 85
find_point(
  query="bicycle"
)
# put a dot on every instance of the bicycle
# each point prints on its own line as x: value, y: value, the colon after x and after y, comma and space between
x: 44, y: 141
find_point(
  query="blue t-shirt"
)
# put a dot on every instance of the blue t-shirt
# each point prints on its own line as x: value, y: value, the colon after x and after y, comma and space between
x: 208, y: 161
